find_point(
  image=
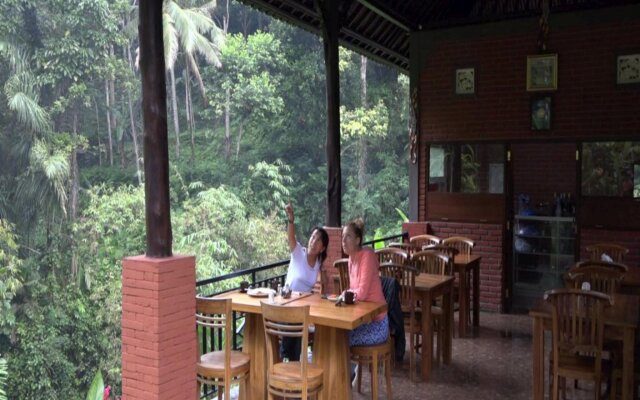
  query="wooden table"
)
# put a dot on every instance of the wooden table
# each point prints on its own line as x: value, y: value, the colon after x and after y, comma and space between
x: 463, y: 265
x: 621, y: 321
x: 631, y: 281
x: 428, y: 288
x: 331, y: 341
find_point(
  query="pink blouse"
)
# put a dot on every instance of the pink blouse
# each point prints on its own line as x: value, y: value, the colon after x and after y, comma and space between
x: 364, y: 278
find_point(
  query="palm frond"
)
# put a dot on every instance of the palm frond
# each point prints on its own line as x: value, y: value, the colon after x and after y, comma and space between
x: 28, y: 111
x: 170, y: 37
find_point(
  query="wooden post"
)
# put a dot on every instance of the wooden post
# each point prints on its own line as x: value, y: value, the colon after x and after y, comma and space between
x: 331, y: 15
x: 156, y: 148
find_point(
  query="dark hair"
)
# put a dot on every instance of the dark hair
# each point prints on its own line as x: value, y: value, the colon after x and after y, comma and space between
x: 324, y: 237
x: 357, y: 225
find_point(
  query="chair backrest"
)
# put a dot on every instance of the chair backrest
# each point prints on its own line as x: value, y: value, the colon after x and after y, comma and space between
x: 421, y: 240
x: 451, y: 252
x: 615, y: 251
x: 463, y: 244
x: 390, y: 254
x: 577, y: 322
x: 430, y: 262
x: 342, y: 265
x: 602, y: 279
x: 407, y: 247
x: 406, y: 276
x: 589, y: 263
x: 286, y: 321
x: 216, y: 316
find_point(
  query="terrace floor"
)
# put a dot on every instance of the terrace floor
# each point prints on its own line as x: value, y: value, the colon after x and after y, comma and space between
x: 495, y: 364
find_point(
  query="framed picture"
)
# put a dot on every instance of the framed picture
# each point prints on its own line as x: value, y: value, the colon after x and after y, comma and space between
x: 465, y: 81
x: 628, y: 69
x: 542, y: 72
x: 541, y: 113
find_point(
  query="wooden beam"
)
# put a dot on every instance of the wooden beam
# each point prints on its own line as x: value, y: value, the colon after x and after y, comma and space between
x: 156, y: 147
x: 330, y: 14
x: 377, y: 10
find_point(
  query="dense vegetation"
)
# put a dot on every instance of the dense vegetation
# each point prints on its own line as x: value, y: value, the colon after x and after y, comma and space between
x: 247, y: 126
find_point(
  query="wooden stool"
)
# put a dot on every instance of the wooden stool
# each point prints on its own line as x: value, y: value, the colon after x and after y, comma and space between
x: 372, y: 356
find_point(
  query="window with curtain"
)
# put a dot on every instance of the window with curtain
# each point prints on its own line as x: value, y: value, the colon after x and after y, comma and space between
x: 466, y: 168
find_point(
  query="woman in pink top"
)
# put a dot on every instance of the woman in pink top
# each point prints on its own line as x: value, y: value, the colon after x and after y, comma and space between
x: 364, y: 282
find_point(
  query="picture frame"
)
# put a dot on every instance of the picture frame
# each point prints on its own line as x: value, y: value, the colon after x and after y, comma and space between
x: 628, y: 69
x: 465, y: 81
x: 541, y: 112
x: 542, y: 72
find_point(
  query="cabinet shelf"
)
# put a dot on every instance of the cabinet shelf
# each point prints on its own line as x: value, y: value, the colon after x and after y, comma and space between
x: 543, y: 249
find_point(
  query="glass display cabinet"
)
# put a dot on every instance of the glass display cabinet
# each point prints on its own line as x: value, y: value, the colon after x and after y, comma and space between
x: 543, y: 249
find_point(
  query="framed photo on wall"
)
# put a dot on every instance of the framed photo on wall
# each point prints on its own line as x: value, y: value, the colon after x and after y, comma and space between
x: 542, y: 72
x: 465, y: 81
x: 541, y: 113
x: 628, y: 69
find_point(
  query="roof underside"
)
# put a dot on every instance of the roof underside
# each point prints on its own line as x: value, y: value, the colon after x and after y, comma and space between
x: 380, y: 28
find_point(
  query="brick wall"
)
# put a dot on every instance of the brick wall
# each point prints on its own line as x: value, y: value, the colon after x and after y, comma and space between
x: 416, y: 228
x: 488, y: 244
x: 630, y: 239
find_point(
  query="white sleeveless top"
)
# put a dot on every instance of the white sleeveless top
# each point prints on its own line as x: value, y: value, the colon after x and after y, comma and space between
x: 300, y: 276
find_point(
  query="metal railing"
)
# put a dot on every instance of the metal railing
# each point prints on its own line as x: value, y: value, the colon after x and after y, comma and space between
x: 257, y: 277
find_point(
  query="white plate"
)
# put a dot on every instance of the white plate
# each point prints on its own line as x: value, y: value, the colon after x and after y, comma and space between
x: 260, y: 292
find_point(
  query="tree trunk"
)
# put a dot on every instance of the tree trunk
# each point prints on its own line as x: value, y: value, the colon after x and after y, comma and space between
x: 98, y: 132
x: 75, y: 187
x: 240, y: 130
x: 134, y: 132
x: 227, y: 124
x: 106, y: 91
x: 174, y: 105
x: 363, y: 150
x: 189, y: 109
x: 114, y: 119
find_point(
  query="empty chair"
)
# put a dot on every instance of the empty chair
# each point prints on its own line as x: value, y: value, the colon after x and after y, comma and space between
x: 600, y: 278
x: 295, y: 379
x: 422, y: 240
x: 342, y: 265
x: 407, y: 247
x: 430, y: 262
x: 405, y: 276
x: 614, y: 251
x: 612, y: 265
x: 222, y: 367
x: 451, y: 252
x: 463, y: 244
x: 577, y: 332
x: 390, y: 254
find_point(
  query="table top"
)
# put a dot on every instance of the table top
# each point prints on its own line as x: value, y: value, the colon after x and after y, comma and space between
x: 431, y: 281
x: 463, y: 259
x: 632, y: 277
x: 322, y: 311
x: 623, y: 313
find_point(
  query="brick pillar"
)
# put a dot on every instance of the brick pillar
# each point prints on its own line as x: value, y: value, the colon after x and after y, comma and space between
x: 159, y: 345
x: 415, y: 228
x: 334, y: 252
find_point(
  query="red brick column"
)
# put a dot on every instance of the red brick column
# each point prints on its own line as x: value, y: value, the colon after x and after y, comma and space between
x: 159, y: 345
x: 334, y: 252
x: 415, y: 228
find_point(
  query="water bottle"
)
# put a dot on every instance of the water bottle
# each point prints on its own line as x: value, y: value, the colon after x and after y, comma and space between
x: 271, y: 297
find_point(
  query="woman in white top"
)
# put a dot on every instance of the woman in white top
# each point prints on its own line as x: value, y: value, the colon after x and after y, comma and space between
x: 304, y: 266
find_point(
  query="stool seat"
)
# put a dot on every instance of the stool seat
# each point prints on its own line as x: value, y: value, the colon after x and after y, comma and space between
x: 374, y: 355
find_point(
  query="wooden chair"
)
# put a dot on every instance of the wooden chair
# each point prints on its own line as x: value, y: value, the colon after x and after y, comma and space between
x: 407, y: 247
x: 372, y: 356
x: 430, y: 262
x: 612, y: 265
x: 615, y: 251
x: 342, y: 265
x: 390, y: 254
x: 295, y: 379
x: 463, y: 244
x: 219, y: 367
x: 577, y: 329
x: 603, y: 279
x: 406, y: 276
x: 422, y: 240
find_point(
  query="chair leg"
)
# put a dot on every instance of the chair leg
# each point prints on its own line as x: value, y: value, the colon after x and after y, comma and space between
x: 554, y: 390
x: 412, y: 358
x: 359, y: 374
x: 374, y: 377
x: 387, y: 372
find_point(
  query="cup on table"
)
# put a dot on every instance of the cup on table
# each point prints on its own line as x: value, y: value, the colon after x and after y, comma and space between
x: 244, y: 286
x: 349, y: 297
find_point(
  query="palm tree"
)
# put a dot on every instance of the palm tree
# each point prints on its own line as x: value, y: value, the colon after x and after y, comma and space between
x: 187, y: 28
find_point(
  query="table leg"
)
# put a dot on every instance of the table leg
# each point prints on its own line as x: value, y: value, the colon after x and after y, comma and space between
x: 448, y: 328
x: 254, y: 345
x: 538, y: 359
x: 627, y: 363
x: 427, y: 336
x: 331, y: 352
x: 476, y: 294
x: 463, y: 302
